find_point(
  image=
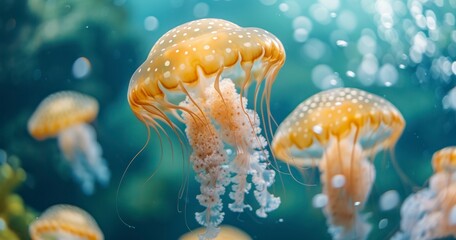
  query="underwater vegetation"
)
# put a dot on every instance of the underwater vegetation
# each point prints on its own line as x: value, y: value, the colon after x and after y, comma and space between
x: 15, y: 217
x: 319, y: 151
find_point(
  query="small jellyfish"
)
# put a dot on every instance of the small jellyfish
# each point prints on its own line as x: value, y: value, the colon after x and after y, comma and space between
x: 430, y: 213
x: 338, y: 130
x: 226, y: 233
x: 444, y: 160
x: 65, y: 222
x: 207, y: 62
x: 66, y: 115
x: 444, y: 165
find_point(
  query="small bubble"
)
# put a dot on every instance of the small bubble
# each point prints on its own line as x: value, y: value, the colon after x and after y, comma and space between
x: 280, y: 220
x: 350, y: 74
x: 300, y: 34
x: 283, y: 7
x: 320, y: 200
x: 341, y: 43
x: 201, y: 10
x: 229, y: 152
x: 81, y: 67
x: 151, y: 23
x: 302, y: 22
x: 387, y: 75
x: 317, y: 129
x: 338, y: 181
x: 383, y: 223
x: 357, y: 203
x: 402, y: 66
x: 389, y: 200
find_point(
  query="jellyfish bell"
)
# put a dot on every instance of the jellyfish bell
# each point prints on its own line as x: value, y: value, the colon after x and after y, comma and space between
x: 200, y: 72
x: 335, y: 114
x: 60, y: 111
x: 193, y: 55
x: 444, y: 160
x: 65, y: 114
x: 226, y: 233
x: 65, y: 222
x: 444, y: 165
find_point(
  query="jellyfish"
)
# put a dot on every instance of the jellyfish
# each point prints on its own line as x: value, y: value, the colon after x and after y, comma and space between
x: 226, y: 233
x: 65, y: 222
x: 339, y: 130
x: 200, y: 72
x: 65, y: 114
x: 431, y: 212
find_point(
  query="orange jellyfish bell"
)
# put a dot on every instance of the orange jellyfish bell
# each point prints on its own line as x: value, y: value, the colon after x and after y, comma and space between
x: 65, y: 222
x: 226, y: 233
x: 444, y: 160
x: 196, y: 54
x: 334, y: 114
x: 66, y: 114
x: 207, y: 62
x: 61, y: 110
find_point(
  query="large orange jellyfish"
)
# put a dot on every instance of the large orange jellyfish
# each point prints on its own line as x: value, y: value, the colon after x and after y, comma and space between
x: 194, y: 60
x: 65, y: 114
x: 431, y: 212
x: 65, y: 222
x: 339, y: 130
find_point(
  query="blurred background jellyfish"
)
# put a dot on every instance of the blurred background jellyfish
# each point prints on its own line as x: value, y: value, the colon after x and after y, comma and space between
x: 338, y: 130
x: 431, y: 212
x: 226, y: 233
x: 65, y: 222
x: 66, y: 115
x: 193, y: 61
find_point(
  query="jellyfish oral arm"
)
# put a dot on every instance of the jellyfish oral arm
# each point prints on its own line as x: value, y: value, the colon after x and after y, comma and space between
x: 80, y: 148
x: 240, y: 129
x: 345, y: 201
x: 208, y: 159
x: 213, y: 127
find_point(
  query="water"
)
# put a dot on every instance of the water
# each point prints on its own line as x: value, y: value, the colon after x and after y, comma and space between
x: 402, y: 51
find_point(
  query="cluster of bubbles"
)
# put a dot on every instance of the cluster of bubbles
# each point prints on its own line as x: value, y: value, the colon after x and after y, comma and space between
x: 418, y: 35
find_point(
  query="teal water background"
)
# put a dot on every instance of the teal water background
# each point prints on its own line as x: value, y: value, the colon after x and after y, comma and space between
x: 41, y: 39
